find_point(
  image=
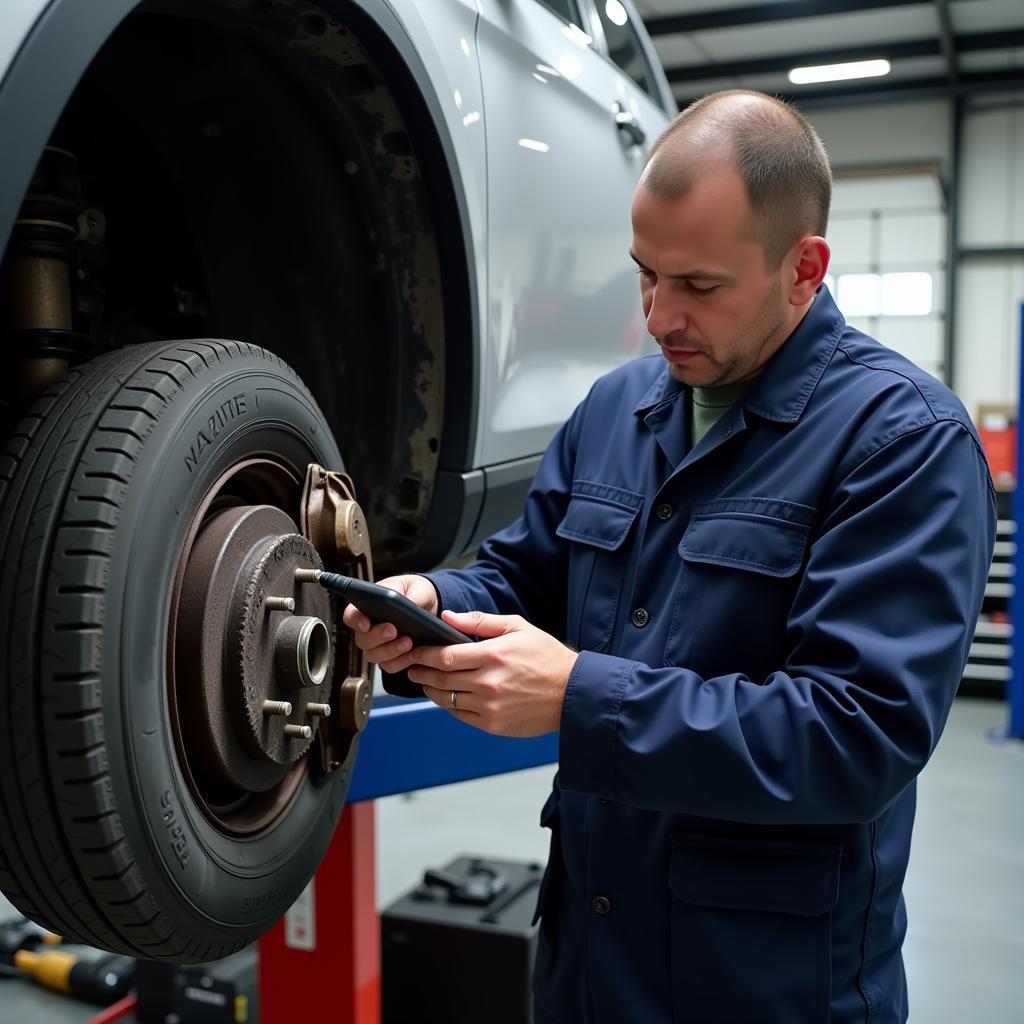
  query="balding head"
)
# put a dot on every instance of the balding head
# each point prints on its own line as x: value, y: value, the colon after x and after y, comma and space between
x: 775, y: 151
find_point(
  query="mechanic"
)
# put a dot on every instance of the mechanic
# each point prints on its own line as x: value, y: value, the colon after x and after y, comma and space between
x: 742, y: 590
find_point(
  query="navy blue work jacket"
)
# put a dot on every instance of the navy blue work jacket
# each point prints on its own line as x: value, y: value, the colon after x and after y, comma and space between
x: 771, y: 629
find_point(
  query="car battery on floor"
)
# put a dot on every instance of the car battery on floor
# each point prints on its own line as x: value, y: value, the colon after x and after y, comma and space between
x: 224, y: 992
x: 459, y: 948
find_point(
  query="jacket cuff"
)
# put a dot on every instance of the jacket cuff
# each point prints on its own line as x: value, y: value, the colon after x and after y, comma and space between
x: 451, y: 594
x: 590, y: 716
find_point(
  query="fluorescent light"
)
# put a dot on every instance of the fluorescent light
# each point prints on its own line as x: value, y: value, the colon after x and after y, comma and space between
x: 616, y: 12
x: 538, y: 147
x: 840, y: 72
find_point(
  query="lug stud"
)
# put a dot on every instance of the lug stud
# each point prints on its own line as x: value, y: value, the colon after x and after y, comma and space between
x: 307, y: 575
x: 298, y: 732
x: 277, y: 707
x: 279, y: 604
x: 321, y: 710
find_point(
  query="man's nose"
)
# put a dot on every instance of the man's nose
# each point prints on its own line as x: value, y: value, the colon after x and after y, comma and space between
x: 665, y: 314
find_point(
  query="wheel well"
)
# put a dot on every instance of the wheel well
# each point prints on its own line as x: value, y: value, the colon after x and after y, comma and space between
x: 267, y: 173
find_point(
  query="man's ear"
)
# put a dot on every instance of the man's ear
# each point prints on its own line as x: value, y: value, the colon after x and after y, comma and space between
x: 808, y: 262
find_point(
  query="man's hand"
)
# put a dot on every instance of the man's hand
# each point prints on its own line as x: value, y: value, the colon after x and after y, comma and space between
x: 511, y: 682
x: 381, y: 642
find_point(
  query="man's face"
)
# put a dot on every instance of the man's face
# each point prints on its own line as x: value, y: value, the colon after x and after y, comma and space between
x: 710, y: 301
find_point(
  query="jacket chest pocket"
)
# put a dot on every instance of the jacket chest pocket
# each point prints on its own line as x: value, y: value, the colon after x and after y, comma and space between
x: 597, y: 523
x: 740, y: 566
x: 751, y: 930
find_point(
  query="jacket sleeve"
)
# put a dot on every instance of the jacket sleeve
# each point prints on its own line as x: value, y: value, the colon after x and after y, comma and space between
x: 523, y: 569
x: 881, y: 626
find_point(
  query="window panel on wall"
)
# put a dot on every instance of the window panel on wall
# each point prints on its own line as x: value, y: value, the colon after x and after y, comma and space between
x: 992, y: 194
x: 849, y: 238
x: 888, y: 251
x: 917, y: 338
x: 988, y: 331
x: 886, y: 192
x: 912, y: 238
x: 906, y: 294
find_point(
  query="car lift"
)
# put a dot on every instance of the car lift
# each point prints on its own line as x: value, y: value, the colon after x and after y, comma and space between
x: 322, y: 960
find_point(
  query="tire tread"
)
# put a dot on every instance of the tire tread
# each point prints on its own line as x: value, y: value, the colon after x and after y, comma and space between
x: 65, y: 860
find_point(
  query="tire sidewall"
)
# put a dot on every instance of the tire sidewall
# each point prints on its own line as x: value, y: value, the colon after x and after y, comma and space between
x: 238, y: 884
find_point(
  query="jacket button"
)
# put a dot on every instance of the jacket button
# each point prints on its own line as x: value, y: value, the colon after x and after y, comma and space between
x: 640, y: 617
x: 664, y: 512
x: 601, y: 904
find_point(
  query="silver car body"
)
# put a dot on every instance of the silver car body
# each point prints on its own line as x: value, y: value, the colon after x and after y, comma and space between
x: 530, y: 104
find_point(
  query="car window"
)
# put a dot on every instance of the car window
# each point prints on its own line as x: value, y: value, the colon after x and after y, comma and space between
x: 623, y: 45
x: 567, y: 10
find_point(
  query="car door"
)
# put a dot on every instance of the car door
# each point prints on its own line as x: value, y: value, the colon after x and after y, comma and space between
x: 619, y: 35
x: 563, y: 302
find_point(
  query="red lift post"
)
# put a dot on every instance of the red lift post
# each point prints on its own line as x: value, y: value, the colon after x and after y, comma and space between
x: 322, y: 959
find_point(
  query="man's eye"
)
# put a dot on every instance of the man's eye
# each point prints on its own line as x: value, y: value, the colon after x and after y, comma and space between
x: 644, y: 272
x: 697, y: 290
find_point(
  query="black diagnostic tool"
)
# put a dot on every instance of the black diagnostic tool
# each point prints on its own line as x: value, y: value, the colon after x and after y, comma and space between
x: 379, y: 604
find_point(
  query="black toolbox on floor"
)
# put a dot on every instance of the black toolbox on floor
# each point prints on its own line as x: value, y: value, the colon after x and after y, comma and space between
x: 459, y: 948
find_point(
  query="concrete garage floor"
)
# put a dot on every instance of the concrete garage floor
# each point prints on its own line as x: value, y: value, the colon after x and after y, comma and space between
x: 965, y: 888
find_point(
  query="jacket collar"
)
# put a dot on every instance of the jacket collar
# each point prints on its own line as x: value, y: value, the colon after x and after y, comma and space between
x: 786, y: 384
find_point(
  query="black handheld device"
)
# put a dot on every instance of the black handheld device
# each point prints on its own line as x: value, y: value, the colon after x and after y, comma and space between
x: 379, y: 604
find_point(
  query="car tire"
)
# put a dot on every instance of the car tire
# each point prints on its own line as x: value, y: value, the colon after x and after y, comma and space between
x: 103, y: 840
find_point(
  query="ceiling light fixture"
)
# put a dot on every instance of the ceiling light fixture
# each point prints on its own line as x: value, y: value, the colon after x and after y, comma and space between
x: 615, y: 12
x: 840, y: 72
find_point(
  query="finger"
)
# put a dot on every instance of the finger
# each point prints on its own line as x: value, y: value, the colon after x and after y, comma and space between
x: 482, y: 624
x: 387, y: 653
x: 399, y: 664
x: 355, y: 619
x: 451, y: 658
x: 421, y: 591
x: 465, y: 702
x: 382, y: 633
x: 417, y: 589
x: 445, y: 682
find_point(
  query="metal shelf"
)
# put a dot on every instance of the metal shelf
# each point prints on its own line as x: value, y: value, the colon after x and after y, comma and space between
x: 999, y: 672
x: 993, y: 629
x: 989, y: 651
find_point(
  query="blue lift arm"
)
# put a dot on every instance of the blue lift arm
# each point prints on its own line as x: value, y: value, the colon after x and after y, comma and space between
x: 414, y: 744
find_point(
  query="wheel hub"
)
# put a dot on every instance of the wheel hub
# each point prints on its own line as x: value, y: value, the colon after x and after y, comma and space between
x: 261, y: 689
x: 257, y: 645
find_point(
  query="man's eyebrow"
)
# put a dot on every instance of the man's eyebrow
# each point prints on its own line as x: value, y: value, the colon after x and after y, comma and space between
x: 693, y: 275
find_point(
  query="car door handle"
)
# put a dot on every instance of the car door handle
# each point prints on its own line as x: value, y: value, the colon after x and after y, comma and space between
x: 627, y: 123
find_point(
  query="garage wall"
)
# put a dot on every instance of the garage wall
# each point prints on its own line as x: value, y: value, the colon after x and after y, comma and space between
x: 886, y: 133
x: 888, y: 240
x: 989, y: 291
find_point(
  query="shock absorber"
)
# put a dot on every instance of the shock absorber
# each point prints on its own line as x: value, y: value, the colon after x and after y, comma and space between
x: 44, y: 250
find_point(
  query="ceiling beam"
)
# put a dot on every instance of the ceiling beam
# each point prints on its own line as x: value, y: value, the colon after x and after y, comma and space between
x: 757, y: 14
x: 946, y: 37
x: 851, y: 94
x: 968, y: 43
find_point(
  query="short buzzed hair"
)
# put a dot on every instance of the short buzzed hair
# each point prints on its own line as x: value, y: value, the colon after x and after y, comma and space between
x: 771, y: 145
